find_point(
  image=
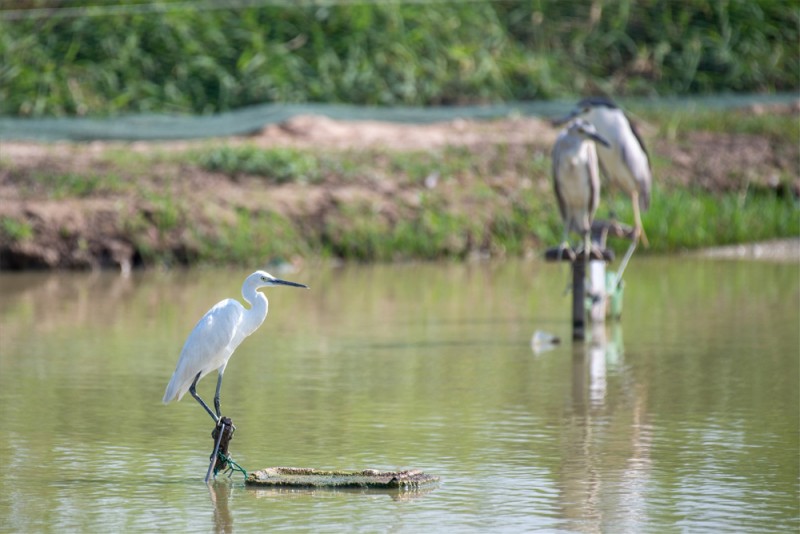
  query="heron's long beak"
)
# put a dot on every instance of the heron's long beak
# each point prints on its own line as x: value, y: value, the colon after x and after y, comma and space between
x: 597, y: 138
x: 563, y: 120
x: 278, y: 281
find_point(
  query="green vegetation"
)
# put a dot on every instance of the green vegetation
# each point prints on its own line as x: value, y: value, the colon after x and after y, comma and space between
x: 15, y: 230
x: 57, y: 185
x: 168, y: 56
x: 681, y: 219
x: 468, y: 212
x: 673, y: 123
x: 279, y: 165
x: 359, y: 232
x: 242, y: 202
x: 252, y: 234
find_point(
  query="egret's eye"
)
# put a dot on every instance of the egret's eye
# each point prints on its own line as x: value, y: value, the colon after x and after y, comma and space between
x: 263, y: 278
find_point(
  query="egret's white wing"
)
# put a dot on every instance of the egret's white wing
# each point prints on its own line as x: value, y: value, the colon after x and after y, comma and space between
x: 207, y: 348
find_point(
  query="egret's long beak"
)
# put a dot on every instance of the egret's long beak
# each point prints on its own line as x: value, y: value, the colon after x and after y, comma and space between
x: 278, y: 281
x: 597, y: 138
x: 563, y: 120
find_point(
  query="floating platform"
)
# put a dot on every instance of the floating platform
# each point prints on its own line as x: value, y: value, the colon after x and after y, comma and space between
x: 303, y: 477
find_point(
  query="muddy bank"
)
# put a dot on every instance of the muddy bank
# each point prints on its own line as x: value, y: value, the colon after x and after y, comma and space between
x: 146, y: 200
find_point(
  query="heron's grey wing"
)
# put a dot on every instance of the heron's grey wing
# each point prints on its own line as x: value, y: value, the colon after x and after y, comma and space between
x: 638, y: 136
x: 637, y: 160
x: 206, y: 348
x: 593, y: 172
x: 556, y: 157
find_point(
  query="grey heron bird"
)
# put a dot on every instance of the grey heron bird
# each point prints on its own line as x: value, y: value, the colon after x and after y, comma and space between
x: 213, y: 340
x: 624, y: 160
x: 576, y: 179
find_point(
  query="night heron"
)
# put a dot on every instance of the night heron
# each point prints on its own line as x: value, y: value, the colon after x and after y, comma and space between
x: 624, y: 160
x: 576, y: 179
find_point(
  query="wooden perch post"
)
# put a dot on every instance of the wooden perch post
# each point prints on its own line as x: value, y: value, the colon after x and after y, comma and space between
x: 599, y: 289
x: 221, y: 435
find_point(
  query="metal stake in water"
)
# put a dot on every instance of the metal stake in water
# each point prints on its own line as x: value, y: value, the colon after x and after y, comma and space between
x: 214, y: 454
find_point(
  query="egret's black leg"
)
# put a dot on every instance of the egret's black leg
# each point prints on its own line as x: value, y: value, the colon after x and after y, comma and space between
x: 216, y: 395
x: 198, y: 399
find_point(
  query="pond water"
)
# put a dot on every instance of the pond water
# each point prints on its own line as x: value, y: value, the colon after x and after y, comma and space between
x: 683, y: 416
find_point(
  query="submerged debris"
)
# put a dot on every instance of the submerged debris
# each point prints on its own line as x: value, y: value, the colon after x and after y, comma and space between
x: 317, y: 478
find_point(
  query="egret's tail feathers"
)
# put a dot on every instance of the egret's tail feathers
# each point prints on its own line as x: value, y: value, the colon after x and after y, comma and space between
x: 169, y: 396
x: 173, y: 392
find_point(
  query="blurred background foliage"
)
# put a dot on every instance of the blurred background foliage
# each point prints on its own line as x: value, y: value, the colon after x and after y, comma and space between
x: 104, y: 57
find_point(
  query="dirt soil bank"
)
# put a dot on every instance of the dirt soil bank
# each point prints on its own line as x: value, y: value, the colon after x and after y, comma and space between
x: 43, y: 230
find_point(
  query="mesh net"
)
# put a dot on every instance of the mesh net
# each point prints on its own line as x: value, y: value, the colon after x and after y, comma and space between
x: 252, y: 119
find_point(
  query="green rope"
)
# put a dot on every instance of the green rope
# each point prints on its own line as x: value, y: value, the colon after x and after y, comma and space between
x: 232, y: 466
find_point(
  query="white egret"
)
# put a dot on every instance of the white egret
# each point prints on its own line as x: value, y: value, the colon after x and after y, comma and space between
x: 213, y: 340
x: 624, y: 159
x: 576, y: 179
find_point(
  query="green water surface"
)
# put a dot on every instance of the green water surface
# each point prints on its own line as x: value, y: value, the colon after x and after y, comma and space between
x: 682, y: 417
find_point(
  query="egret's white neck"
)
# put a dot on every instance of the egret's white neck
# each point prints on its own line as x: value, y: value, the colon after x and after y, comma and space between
x: 259, y: 306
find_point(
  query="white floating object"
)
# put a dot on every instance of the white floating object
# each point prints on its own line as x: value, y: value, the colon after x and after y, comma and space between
x: 543, y: 341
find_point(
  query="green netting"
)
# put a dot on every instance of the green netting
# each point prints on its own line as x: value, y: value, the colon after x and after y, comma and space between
x: 252, y: 119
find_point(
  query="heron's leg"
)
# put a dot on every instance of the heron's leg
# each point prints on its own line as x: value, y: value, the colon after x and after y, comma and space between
x: 565, y: 246
x: 198, y: 399
x: 637, y: 217
x: 219, y: 387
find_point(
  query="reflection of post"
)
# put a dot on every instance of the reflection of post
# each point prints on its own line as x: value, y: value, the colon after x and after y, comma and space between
x: 589, y: 367
x: 578, y: 378
x: 220, y: 495
x: 581, y: 483
x: 597, y: 364
x: 594, y: 464
x: 602, y: 474
x: 636, y: 476
x: 578, y: 300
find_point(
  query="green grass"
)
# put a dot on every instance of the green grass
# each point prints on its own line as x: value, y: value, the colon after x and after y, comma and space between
x: 15, y: 230
x: 156, y: 227
x: 122, y: 157
x: 490, y: 199
x: 418, y: 165
x: 677, y: 220
x: 57, y: 185
x: 358, y: 232
x: 255, y: 236
x: 674, y: 123
x: 471, y: 210
x: 278, y: 165
x: 186, y: 60
x: 688, y: 219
